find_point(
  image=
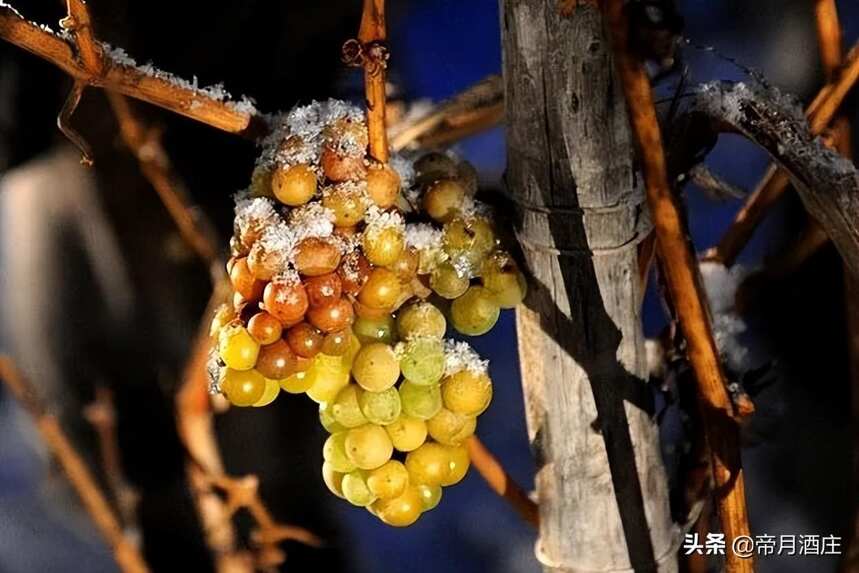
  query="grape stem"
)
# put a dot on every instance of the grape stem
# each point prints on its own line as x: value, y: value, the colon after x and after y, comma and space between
x: 720, y: 415
x: 499, y: 481
x: 372, y: 35
x: 126, y: 553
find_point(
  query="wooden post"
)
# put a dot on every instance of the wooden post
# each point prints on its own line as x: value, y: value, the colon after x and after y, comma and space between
x: 602, y: 488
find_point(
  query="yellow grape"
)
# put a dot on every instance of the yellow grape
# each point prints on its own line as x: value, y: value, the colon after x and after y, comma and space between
x: 466, y: 392
x: 502, y: 277
x: 475, y: 312
x: 355, y: 489
x: 237, y: 348
x: 383, y: 247
x: 450, y: 428
x: 243, y: 387
x: 400, y: 511
x: 407, y: 433
x: 346, y: 409
x: 368, y: 446
x: 421, y: 319
x: 376, y: 367
x: 328, y: 375
x: 369, y: 330
x: 327, y: 420
x: 333, y: 479
x: 470, y: 239
x: 272, y: 389
x: 347, y: 204
x: 298, y: 383
x: 430, y: 495
x: 388, y: 480
x: 334, y: 452
x: 429, y: 464
x: 459, y: 464
x: 443, y: 200
x: 295, y: 185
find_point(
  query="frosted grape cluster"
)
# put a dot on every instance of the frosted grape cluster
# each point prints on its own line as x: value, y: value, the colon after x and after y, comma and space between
x: 345, y: 275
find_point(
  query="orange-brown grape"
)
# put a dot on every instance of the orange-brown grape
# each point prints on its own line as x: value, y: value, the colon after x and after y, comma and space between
x: 243, y: 280
x: 287, y: 301
x: 383, y: 186
x: 323, y: 290
x: 265, y: 328
x: 331, y: 318
x: 382, y: 289
x: 276, y: 361
x: 316, y: 256
x: 304, y: 340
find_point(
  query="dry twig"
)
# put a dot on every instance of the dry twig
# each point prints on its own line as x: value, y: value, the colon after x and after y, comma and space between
x: 684, y: 287
x: 125, y: 552
x: 372, y: 35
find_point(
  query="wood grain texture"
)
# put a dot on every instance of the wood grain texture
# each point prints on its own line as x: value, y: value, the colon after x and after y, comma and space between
x: 602, y: 488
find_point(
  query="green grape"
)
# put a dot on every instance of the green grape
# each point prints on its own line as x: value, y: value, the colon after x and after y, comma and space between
x: 355, y: 489
x: 429, y: 464
x: 298, y: 383
x: 346, y: 410
x: 422, y: 362
x: 407, y: 433
x: 501, y: 276
x: 376, y: 367
x: 272, y: 389
x: 466, y: 392
x: 443, y: 199
x: 334, y: 452
x: 421, y: 319
x: 388, y: 480
x: 381, y: 407
x: 368, y: 446
x: 459, y: 463
x: 328, y: 422
x: 450, y: 428
x: 383, y: 246
x: 421, y: 402
x: 369, y: 330
x: 447, y: 282
x: 328, y: 375
x: 470, y: 240
x: 333, y: 479
x: 430, y: 495
x: 475, y: 312
x: 400, y: 511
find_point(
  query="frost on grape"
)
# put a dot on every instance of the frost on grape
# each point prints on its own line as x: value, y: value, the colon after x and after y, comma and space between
x: 459, y: 356
x: 423, y: 236
x: 404, y: 168
x: 378, y: 220
x: 254, y: 214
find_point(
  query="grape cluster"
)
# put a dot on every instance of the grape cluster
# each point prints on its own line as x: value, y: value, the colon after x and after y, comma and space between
x: 340, y: 269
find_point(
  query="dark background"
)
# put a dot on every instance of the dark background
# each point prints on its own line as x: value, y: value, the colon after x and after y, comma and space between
x: 281, y: 53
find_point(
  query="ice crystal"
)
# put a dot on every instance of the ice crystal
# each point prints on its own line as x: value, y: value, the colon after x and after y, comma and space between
x: 460, y: 356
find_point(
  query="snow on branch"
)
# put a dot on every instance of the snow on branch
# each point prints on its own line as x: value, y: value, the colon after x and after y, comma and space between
x: 827, y: 183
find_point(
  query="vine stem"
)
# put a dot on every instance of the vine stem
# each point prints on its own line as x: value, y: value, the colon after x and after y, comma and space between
x: 681, y: 274
x: 127, y: 555
x: 499, y: 481
x: 372, y: 34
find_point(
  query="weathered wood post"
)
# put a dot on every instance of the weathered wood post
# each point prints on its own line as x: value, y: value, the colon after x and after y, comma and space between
x: 601, y: 483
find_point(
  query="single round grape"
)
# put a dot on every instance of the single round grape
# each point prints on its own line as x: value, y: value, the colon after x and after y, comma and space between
x: 304, y: 340
x: 265, y: 328
x: 422, y: 402
x: 383, y: 247
x: 450, y: 428
x: 376, y: 367
x: 355, y: 489
x: 469, y: 239
x: 475, y: 312
x: 421, y: 319
x: 466, y: 392
x: 502, y: 277
x: 422, y: 361
x: 381, y: 407
x: 346, y: 409
x: 334, y: 452
x: 400, y: 511
x: 354, y: 270
x: 316, y: 256
x: 407, y: 433
x: 443, y: 199
x: 327, y: 420
x: 370, y: 330
x: 243, y: 387
x: 346, y: 203
x: 341, y: 167
x: 334, y: 317
x: 323, y: 290
x: 382, y: 289
x: 459, y: 464
x: 383, y: 186
x: 388, y: 480
x: 294, y: 185
x: 433, y: 166
x: 428, y: 465
x: 430, y: 495
x: 328, y: 375
x: 447, y: 282
x: 406, y: 265
x: 368, y: 446
x: 272, y: 389
x: 333, y: 480
x: 286, y: 301
x: 237, y: 348
x: 243, y: 280
x: 276, y: 361
x: 337, y: 343
x: 297, y: 383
